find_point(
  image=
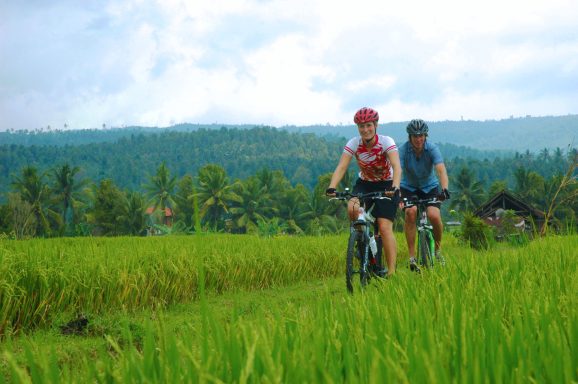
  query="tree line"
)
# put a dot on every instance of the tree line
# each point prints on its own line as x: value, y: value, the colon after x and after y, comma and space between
x: 240, y: 180
x: 128, y: 160
x: 532, y: 133
x: 59, y: 202
x: 302, y: 157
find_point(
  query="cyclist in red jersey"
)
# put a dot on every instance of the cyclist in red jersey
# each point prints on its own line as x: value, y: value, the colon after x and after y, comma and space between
x: 379, y: 170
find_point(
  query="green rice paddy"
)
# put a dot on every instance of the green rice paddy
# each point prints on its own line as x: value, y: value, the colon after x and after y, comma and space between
x: 242, y: 309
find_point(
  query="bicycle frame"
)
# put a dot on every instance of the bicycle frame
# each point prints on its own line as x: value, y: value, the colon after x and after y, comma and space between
x: 425, y: 238
x: 358, y: 249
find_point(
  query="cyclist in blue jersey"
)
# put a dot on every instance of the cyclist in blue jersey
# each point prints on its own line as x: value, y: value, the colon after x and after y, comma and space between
x: 424, y: 176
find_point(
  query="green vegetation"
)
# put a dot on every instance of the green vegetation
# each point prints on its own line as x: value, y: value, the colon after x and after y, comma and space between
x: 43, y: 278
x: 239, y: 181
x: 130, y: 156
x: 222, y: 308
x: 83, y: 299
x: 489, y: 138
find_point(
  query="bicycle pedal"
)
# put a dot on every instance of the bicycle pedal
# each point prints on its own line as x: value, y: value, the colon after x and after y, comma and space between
x: 414, y: 268
x: 382, y: 273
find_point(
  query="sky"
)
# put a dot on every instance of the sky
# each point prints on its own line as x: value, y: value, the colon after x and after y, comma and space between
x: 72, y: 64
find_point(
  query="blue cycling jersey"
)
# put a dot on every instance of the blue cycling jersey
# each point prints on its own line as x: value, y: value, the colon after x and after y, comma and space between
x: 419, y: 172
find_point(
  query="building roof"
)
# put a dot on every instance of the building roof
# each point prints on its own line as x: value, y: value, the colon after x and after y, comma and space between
x: 168, y: 211
x: 508, y: 201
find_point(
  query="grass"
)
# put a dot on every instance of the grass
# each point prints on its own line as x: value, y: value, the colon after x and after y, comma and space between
x: 506, y: 315
x: 42, y: 279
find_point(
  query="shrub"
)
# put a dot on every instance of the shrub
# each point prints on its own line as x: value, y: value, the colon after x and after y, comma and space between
x: 476, y: 233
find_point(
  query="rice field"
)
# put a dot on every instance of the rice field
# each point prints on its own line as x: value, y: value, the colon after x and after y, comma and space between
x: 241, y: 309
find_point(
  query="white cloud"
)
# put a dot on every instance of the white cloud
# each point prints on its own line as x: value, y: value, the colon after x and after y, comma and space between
x: 283, y: 63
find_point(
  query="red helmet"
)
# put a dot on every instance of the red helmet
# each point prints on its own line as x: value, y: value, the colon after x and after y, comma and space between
x: 366, y: 115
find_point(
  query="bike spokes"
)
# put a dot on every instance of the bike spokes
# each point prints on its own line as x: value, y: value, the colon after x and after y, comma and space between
x: 356, y: 263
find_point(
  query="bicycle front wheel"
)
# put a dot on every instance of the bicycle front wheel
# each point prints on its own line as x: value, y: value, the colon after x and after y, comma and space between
x: 425, y: 251
x: 354, y: 262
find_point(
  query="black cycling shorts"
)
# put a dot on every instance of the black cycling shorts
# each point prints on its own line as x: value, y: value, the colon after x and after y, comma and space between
x: 385, y: 208
x: 418, y: 193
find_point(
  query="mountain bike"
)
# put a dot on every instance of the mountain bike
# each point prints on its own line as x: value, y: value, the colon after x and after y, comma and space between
x: 360, y: 257
x: 425, y: 238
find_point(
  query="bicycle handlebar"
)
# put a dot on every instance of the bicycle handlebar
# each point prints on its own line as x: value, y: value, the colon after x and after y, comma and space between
x: 361, y: 196
x: 412, y: 202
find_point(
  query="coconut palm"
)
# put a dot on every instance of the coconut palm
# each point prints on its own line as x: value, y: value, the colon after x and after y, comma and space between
x: 293, y: 208
x: 529, y: 185
x: 324, y: 217
x: 183, y: 198
x: 132, y: 216
x: 470, y: 192
x: 161, y: 188
x: 253, y: 204
x: 273, y: 182
x: 33, y: 190
x: 107, y: 208
x: 497, y: 186
x: 215, y: 194
x: 67, y: 193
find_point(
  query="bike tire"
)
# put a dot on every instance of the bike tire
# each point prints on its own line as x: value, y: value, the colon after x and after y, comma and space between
x: 354, y: 262
x: 378, y: 257
x: 425, y: 251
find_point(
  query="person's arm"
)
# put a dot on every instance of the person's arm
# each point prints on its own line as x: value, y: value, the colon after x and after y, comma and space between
x: 442, y: 175
x: 340, y: 170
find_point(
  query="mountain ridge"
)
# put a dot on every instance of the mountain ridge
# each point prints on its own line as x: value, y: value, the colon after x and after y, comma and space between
x: 514, y: 134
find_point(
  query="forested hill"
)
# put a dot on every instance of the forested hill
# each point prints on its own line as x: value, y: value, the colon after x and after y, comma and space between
x: 516, y: 134
x: 131, y: 160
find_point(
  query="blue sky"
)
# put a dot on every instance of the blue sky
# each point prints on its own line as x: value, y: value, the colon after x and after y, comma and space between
x: 299, y: 62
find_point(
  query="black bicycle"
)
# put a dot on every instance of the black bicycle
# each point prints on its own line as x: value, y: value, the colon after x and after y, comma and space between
x: 364, y: 250
x: 425, y: 238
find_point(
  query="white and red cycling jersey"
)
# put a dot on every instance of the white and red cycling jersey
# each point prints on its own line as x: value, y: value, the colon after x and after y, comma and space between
x: 373, y: 163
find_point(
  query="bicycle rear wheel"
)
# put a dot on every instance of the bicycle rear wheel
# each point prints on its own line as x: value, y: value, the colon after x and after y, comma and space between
x: 354, y: 262
x: 425, y: 251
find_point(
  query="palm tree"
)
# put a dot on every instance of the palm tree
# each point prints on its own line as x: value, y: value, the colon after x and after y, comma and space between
x: 470, y: 192
x: 215, y: 194
x: 254, y: 204
x: 529, y: 185
x: 185, y: 190
x: 32, y: 189
x: 22, y: 218
x: 132, y: 213
x: 561, y: 192
x: 558, y: 155
x: 293, y: 208
x: 66, y: 192
x: 272, y: 181
x: 107, y: 209
x: 322, y: 218
x: 544, y: 154
x: 326, y: 206
x: 325, y: 216
x: 160, y: 190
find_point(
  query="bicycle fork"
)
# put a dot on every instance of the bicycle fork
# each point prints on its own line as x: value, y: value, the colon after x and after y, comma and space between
x: 426, y: 229
x: 363, y: 250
